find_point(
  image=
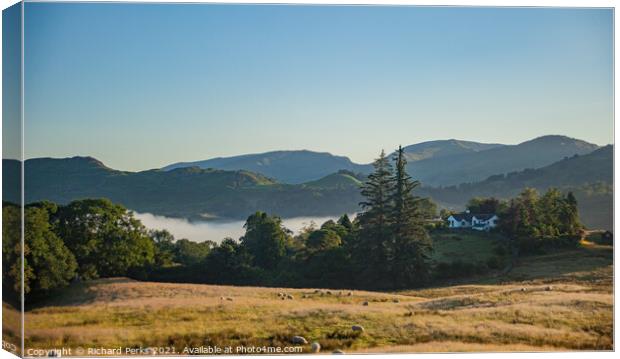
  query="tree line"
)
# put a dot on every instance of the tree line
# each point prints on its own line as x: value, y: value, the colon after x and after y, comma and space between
x: 387, y: 245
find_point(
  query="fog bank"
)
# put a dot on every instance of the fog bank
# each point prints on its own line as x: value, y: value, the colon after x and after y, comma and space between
x: 215, y: 230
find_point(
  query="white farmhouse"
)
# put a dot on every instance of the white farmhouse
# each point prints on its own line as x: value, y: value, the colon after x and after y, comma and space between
x: 480, y: 222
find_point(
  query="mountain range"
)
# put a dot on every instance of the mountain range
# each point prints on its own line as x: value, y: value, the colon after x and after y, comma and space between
x: 434, y: 163
x: 194, y: 192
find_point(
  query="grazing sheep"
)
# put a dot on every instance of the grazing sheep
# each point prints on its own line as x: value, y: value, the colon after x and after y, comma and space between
x: 288, y: 296
x: 350, y: 294
x: 222, y: 298
x: 281, y: 294
x: 315, y: 347
x: 328, y: 292
x: 523, y: 289
x: 549, y: 288
x: 396, y: 300
x: 337, y: 351
x: 365, y: 304
x: 357, y: 328
x: 298, y: 340
x: 317, y: 291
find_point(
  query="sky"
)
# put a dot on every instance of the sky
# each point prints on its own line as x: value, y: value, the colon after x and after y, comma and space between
x: 140, y: 86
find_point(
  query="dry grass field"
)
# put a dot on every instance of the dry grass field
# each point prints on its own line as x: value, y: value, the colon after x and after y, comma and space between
x: 554, y: 302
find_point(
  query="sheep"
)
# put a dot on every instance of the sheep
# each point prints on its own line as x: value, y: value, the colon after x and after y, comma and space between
x: 222, y: 298
x: 548, y: 288
x: 357, y: 328
x: 350, y: 294
x: 288, y: 296
x: 316, y: 291
x: 395, y: 300
x: 365, y: 304
x: 337, y: 351
x: 523, y: 289
x: 299, y: 340
x: 315, y: 347
x: 328, y: 292
x: 281, y: 294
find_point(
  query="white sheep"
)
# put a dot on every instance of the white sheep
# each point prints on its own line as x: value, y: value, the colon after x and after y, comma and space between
x: 288, y: 296
x: 315, y: 347
x: 337, y: 351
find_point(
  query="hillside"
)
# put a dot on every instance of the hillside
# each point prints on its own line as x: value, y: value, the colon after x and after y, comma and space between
x: 292, y: 167
x: 184, y: 192
x: 192, y: 192
x: 554, y: 302
x: 434, y: 163
x: 340, y: 179
x: 475, y: 166
x: 589, y: 176
x: 441, y: 148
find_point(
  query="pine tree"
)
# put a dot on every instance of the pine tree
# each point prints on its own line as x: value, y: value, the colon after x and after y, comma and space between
x: 570, y: 215
x: 371, y: 251
x: 410, y: 244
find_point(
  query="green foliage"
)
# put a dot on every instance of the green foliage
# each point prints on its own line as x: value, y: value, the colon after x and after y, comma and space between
x: 491, y: 205
x: 187, y: 252
x: 11, y: 251
x: 104, y: 237
x: 411, y: 244
x: 324, y: 239
x: 536, y: 222
x: 231, y: 263
x: 265, y: 239
x: 372, y: 247
x: 48, y: 263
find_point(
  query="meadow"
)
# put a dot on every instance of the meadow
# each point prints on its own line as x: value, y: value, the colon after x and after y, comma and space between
x: 558, y: 301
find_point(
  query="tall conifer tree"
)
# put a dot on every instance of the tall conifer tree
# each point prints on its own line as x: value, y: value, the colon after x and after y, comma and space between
x: 410, y: 245
x: 373, y: 246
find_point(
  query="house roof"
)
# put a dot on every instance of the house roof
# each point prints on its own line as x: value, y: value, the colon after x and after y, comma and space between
x: 463, y: 216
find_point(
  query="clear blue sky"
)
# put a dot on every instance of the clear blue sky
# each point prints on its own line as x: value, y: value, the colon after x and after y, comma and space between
x: 140, y: 86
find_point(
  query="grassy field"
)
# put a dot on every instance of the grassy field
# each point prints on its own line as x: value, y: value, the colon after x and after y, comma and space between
x: 466, y: 246
x: 560, y: 301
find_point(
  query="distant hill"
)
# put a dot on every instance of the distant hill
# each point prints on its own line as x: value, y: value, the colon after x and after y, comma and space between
x: 589, y: 176
x: 292, y: 167
x: 184, y: 192
x: 474, y: 166
x: 434, y: 163
x: 442, y: 148
x: 194, y: 192
x: 340, y: 179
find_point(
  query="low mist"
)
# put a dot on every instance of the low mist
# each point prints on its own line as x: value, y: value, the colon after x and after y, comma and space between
x: 216, y: 231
